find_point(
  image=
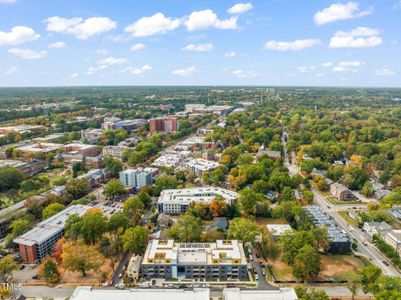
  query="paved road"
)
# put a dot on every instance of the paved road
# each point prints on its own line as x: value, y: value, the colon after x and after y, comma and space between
x: 354, y: 233
x: 120, y: 267
x: 43, y: 291
x: 262, y: 282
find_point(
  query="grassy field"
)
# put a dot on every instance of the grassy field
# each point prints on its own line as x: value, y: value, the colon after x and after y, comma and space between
x: 264, y: 221
x: 347, y: 218
x: 334, y: 267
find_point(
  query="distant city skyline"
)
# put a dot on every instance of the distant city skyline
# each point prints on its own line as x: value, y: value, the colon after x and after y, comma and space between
x: 260, y: 42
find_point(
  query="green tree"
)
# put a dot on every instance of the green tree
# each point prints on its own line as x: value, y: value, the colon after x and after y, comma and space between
x: 7, y: 265
x: 243, y: 229
x: 82, y: 258
x: 113, y: 189
x: 145, y: 198
x: 77, y: 187
x: 113, y: 165
x: 305, y: 294
x: 247, y: 201
x: 292, y: 242
x: 18, y: 227
x: 93, y: 225
x: 306, y: 263
x: 134, y: 208
x: 10, y: 178
x: 118, y: 221
x: 165, y: 182
x: 51, y: 210
x: 50, y: 272
x: 369, y: 275
x: 135, y: 239
x: 367, y: 189
x: 188, y: 228
x: 73, y: 226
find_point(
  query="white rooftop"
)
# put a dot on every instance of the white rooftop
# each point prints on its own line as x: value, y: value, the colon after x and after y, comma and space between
x: 202, y: 164
x: 278, y: 229
x: 196, y: 194
x: 279, y: 294
x: 220, y: 252
x: 88, y: 293
x: 50, y: 226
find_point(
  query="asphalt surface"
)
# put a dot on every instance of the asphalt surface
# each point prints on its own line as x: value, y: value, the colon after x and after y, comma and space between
x: 120, y: 268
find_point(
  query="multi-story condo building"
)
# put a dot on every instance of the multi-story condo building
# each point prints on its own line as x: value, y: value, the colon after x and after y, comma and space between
x: 114, y: 151
x: 167, y: 125
x: 39, y: 242
x: 339, y: 241
x: 137, y: 178
x: 177, y: 201
x: 27, y: 168
x: 224, y: 259
x: 200, y: 165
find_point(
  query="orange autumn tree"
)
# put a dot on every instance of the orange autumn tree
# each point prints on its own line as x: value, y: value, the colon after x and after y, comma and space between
x: 218, y: 207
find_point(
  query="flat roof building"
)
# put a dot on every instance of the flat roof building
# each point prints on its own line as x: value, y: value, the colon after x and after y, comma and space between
x: 253, y: 294
x: 39, y: 242
x: 137, y: 178
x: 278, y: 229
x: 167, y: 125
x: 177, y: 201
x: 89, y: 293
x: 200, y: 165
x: 167, y: 259
x: 339, y: 241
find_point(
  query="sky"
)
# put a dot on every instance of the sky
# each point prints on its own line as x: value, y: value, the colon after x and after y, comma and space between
x: 200, y: 42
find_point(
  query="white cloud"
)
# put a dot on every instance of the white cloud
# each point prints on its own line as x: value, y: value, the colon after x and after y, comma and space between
x: 199, y: 47
x: 204, y: 19
x: 18, y: 35
x: 74, y: 75
x: 384, y: 72
x: 340, y: 11
x: 80, y: 28
x: 59, y: 44
x: 240, y: 8
x: 326, y: 64
x: 191, y: 71
x: 106, y: 63
x: 319, y: 74
x: 28, y: 53
x: 137, y: 47
x: 102, y: 51
x: 137, y: 71
x: 8, y: 1
x: 340, y: 69
x: 397, y: 5
x: 296, y: 45
x: 353, y: 63
x: 11, y: 70
x: 305, y: 69
x: 361, y: 37
x: 244, y: 73
x: 230, y: 54
x: 158, y: 23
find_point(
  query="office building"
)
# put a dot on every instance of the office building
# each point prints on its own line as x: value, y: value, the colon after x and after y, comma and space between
x: 177, y: 201
x: 167, y: 125
x: 224, y: 259
x: 39, y: 242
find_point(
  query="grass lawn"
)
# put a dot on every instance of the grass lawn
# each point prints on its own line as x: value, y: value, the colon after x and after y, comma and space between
x: 347, y: 218
x: 333, y: 200
x: 334, y: 267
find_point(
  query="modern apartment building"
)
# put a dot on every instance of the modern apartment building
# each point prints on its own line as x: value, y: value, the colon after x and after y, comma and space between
x: 177, y: 201
x: 166, y: 125
x: 224, y: 259
x: 39, y: 242
x: 137, y: 178
x: 200, y: 165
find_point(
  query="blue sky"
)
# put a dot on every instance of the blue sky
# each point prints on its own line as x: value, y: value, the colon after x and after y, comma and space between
x: 193, y: 42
